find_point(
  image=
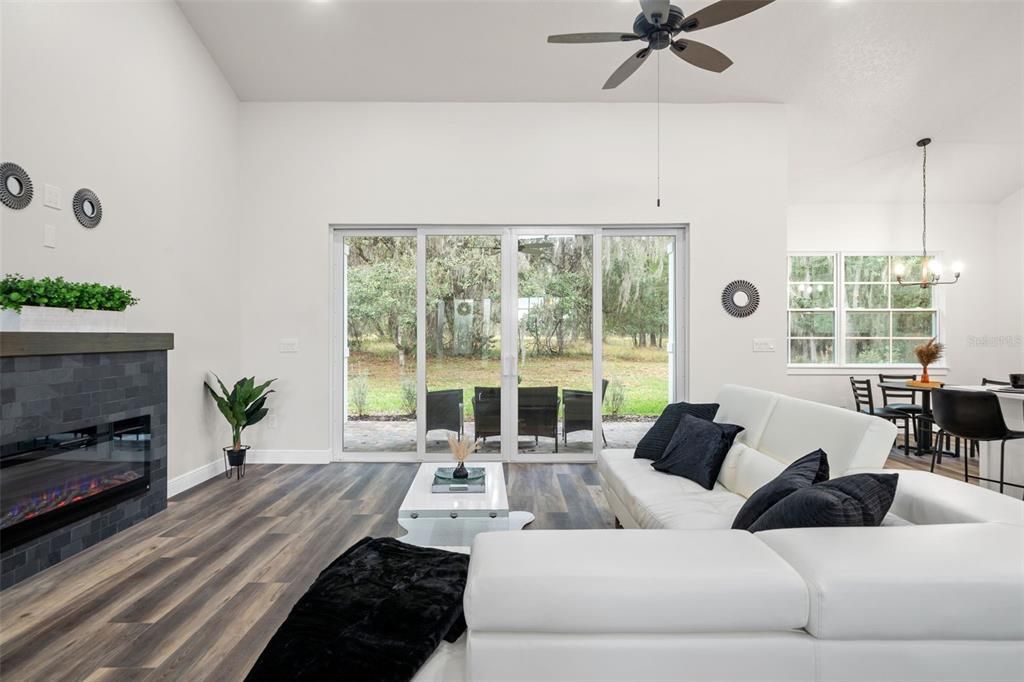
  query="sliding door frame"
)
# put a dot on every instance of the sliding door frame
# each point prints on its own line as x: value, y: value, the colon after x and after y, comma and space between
x: 510, y: 234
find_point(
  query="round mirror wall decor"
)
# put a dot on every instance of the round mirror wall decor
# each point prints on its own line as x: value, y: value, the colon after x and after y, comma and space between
x: 15, y: 186
x: 740, y: 298
x: 88, y: 209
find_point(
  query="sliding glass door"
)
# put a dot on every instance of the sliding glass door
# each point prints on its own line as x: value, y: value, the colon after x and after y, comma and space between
x: 638, y: 345
x: 555, y: 350
x: 463, y: 340
x: 536, y: 343
x: 378, y: 302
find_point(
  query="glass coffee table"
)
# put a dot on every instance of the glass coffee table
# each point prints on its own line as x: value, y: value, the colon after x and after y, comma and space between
x: 452, y: 519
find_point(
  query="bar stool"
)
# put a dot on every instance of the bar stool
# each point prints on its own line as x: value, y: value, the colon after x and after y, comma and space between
x: 972, y: 446
x: 974, y: 415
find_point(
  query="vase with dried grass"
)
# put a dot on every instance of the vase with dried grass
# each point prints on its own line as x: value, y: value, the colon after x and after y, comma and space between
x: 461, y: 450
x: 927, y: 354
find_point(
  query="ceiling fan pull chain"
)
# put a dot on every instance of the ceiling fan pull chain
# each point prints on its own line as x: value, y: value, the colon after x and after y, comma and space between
x: 658, y: 105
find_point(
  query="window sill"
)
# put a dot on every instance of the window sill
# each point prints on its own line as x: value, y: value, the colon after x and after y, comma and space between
x: 861, y: 370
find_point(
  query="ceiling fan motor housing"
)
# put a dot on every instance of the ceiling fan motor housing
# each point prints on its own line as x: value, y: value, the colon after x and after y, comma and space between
x: 659, y: 36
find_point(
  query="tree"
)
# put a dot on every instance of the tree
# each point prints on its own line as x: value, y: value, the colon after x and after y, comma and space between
x: 636, y: 287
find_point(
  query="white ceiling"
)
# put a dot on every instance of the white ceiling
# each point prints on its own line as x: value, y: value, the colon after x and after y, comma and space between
x: 863, y: 79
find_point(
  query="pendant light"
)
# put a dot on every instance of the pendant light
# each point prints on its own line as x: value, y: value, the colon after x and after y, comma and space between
x: 931, y: 269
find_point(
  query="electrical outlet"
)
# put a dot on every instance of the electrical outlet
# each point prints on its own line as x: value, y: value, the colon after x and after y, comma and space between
x: 764, y: 345
x: 288, y: 346
x: 50, y: 236
x: 272, y: 420
x: 51, y: 196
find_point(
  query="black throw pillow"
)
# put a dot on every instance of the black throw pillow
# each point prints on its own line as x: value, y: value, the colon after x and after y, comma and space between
x: 697, y: 450
x: 652, y: 445
x: 804, y: 472
x: 857, y: 500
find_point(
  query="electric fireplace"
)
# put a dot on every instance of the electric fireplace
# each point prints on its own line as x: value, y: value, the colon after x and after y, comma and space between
x: 51, y: 481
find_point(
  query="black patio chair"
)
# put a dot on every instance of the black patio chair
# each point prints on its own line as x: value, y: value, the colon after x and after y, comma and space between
x: 578, y: 411
x: 486, y: 412
x: 445, y: 411
x: 538, y: 413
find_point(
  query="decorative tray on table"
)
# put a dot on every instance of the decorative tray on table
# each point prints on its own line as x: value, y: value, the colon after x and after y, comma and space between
x: 925, y: 384
x: 445, y: 481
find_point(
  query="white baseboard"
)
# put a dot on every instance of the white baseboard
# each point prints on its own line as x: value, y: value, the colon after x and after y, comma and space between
x: 190, y: 479
x: 289, y: 457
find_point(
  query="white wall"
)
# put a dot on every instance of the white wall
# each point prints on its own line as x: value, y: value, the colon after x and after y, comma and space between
x: 982, y: 313
x: 1010, y: 262
x: 124, y: 99
x: 305, y: 166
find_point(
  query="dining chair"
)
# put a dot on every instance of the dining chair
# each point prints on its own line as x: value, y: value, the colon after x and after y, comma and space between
x: 865, y: 401
x: 977, y: 416
x: 901, y: 399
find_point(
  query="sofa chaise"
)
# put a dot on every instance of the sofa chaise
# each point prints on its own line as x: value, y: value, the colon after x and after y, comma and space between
x: 936, y: 593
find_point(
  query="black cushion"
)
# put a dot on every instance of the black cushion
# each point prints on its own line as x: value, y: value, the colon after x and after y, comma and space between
x: 857, y: 500
x: 697, y: 450
x: 804, y: 472
x: 652, y: 445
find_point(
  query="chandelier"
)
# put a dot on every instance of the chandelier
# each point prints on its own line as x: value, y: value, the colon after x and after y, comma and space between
x: 931, y: 268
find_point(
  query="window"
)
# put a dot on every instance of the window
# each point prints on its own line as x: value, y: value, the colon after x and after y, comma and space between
x: 812, y: 310
x: 848, y: 309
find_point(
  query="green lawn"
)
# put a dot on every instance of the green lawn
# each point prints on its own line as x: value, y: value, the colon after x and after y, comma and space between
x: 643, y: 373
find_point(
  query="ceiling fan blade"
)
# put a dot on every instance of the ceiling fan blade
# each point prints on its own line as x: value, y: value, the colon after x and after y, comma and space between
x: 721, y: 12
x: 656, y: 11
x: 699, y: 54
x: 627, y: 69
x: 592, y: 38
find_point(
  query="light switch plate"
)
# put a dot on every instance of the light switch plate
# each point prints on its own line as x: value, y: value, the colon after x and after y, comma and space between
x: 764, y: 345
x: 50, y: 236
x: 51, y: 196
x: 288, y: 346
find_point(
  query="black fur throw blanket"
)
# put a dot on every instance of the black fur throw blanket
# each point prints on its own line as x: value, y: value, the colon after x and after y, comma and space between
x: 377, y: 612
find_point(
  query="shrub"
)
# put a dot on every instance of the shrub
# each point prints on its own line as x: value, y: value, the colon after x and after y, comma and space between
x: 408, y: 387
x: 359, y: 392
x: 616, y: 397
x: 17, y: 291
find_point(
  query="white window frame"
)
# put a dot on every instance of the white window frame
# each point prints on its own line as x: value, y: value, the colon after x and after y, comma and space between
x: 840, y: 366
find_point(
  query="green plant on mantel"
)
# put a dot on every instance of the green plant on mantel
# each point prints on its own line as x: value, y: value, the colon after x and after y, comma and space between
x: 56, y: 292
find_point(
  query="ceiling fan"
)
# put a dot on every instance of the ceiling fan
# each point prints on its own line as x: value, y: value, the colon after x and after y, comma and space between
x: 658, y: 24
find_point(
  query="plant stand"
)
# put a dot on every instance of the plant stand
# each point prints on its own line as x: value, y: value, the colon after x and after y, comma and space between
x: 234, y: 459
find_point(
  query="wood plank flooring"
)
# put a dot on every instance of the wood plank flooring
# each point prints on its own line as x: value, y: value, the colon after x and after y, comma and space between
x: 195, y: 592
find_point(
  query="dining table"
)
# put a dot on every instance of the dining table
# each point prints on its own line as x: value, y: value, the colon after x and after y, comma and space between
x: 923, y: 435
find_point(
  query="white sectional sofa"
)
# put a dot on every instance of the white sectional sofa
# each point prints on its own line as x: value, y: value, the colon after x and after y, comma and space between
x: 937, y: 593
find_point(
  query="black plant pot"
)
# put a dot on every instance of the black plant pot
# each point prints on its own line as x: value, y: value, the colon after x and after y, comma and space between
x: 460, y: 471
x: 235, y: 459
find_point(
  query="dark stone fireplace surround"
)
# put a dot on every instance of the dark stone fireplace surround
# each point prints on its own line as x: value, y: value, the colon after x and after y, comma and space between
x: 54, y: 382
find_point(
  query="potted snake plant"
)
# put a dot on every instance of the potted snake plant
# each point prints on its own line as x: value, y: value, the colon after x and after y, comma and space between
x: 242, y: 406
